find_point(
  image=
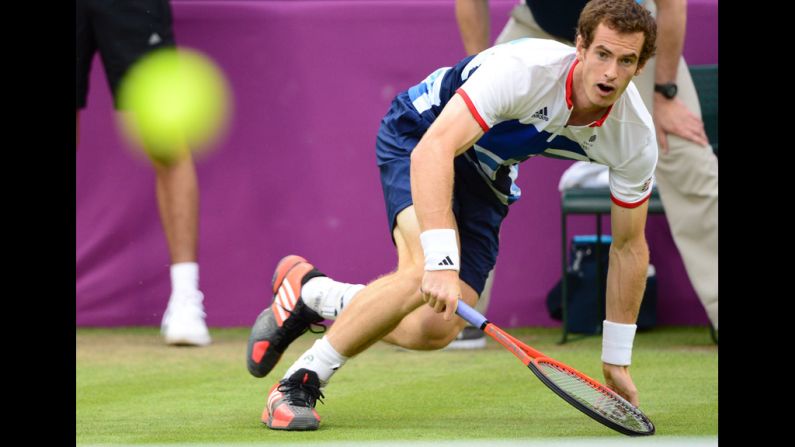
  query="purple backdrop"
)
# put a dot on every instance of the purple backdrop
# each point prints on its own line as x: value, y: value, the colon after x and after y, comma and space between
x: 296, y: 172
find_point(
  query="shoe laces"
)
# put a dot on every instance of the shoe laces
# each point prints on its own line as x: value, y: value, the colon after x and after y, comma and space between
x: 301, y: 394
x: 315, y: 328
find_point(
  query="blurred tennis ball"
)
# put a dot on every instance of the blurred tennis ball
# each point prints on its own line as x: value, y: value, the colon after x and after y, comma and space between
x: 176, y: 100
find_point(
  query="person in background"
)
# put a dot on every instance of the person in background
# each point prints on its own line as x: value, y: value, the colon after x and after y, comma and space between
x: 123, y: 32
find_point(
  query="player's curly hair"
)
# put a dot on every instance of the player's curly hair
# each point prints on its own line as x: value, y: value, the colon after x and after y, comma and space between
x: 623, y: 16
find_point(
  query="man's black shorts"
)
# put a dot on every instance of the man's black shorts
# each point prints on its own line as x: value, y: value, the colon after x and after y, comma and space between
x: 122, y: 31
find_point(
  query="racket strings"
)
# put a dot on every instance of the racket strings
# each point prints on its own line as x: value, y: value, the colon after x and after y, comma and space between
x: 605, y: 403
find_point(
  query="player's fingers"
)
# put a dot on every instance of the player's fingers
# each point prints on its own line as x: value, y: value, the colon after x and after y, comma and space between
x: 633, y: 399
x: 629, y: 394
x: 424, y: 295
x: 448, y: 314
x: 625, y: 388
x: 439, y: 306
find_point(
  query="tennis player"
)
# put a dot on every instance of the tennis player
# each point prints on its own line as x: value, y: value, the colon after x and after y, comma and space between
x: 448, y: 150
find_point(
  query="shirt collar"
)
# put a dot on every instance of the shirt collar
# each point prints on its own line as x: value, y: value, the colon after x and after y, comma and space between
x: 570, y: 104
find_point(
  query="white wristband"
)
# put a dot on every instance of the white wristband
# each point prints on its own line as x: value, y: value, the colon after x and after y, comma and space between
x: 617, y: 341
x: 441, y: 250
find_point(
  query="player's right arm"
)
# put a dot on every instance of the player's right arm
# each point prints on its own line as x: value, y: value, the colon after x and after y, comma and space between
x: 452, y: 133
x: 487, y: 97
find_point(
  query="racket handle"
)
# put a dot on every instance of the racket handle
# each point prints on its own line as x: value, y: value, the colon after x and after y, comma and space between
x: 471, y: 315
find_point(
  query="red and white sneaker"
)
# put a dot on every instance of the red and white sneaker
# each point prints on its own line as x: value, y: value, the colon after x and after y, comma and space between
x: 286, y: 319
x: 291, y: 402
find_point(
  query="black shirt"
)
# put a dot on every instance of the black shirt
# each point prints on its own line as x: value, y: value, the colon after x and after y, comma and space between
x: 557, y: 17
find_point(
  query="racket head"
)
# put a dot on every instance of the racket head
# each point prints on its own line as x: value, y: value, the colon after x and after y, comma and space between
x: 591, y: 397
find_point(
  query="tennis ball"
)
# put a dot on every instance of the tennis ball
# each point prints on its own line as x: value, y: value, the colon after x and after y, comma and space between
x: 174, y: 100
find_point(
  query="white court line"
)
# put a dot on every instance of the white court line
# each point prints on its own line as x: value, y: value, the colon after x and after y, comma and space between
x: 656, y: 441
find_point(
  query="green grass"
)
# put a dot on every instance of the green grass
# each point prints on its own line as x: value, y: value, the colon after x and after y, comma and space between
x: 132, y: 389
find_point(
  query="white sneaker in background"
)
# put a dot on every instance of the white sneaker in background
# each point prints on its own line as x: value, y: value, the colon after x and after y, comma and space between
x: 183, y: 322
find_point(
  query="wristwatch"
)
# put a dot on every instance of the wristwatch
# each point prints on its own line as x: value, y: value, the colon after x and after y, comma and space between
x: 668, y: 90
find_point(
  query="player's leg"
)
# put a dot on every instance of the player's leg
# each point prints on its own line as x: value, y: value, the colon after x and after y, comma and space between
x: 479, y: 215
x: 377, y: 310
x: 380, y: 306
x: 307, y: 296
x: 302, y: 297
x: 423, y: 328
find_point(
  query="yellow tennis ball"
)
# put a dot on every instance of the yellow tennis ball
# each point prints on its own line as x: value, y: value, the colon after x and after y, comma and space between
x: 175, y: 100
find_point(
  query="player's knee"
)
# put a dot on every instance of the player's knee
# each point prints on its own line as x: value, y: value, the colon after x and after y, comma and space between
x: 441, y: 341
x: 435, y: 333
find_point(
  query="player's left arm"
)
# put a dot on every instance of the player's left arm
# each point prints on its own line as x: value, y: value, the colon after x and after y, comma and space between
x: 626, y: 282
x: 629, y: 260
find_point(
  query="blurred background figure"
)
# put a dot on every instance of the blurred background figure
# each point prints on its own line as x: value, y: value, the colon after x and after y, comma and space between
x: 123, y: 32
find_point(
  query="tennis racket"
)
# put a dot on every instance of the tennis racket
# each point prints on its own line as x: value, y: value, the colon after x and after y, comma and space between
x: 584, y: 393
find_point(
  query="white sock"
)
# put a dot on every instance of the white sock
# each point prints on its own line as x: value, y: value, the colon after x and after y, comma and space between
x: 184, y: 277
x: 328, y: 297
x: 321, y: 358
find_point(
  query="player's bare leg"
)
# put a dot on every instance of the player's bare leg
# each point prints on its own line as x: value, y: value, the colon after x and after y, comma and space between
x: 390, y: 307
x: 381, y: 307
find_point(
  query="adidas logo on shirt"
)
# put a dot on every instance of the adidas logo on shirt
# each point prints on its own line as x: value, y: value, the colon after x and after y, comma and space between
x: 541, y: 114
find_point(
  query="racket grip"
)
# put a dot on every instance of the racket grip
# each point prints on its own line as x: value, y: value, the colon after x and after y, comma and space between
x: 470, y: 315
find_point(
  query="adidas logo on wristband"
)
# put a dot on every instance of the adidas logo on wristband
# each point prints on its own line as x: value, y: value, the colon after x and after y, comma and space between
x: 441, y: 249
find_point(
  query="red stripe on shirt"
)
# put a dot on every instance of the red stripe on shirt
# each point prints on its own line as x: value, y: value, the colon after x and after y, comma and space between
x: 570, y: 89
x: 473, y: 110
x: 629, y: 205
x: 569, y: 81
x: 603, y: 118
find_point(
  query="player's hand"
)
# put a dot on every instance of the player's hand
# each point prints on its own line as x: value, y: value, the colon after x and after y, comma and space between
x: 617, y: 379
x: 441, y: 290
x: 671, y: 116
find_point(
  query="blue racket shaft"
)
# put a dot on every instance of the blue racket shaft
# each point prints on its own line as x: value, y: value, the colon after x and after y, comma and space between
x: 472, y: 316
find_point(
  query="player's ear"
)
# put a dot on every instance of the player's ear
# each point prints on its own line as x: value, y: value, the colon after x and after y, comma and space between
x: 580, y: 48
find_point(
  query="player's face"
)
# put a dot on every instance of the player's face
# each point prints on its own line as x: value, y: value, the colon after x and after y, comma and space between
x: 609, y: 64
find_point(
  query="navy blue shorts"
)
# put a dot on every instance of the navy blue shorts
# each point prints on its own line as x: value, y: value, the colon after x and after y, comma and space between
x: 477, y: 210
